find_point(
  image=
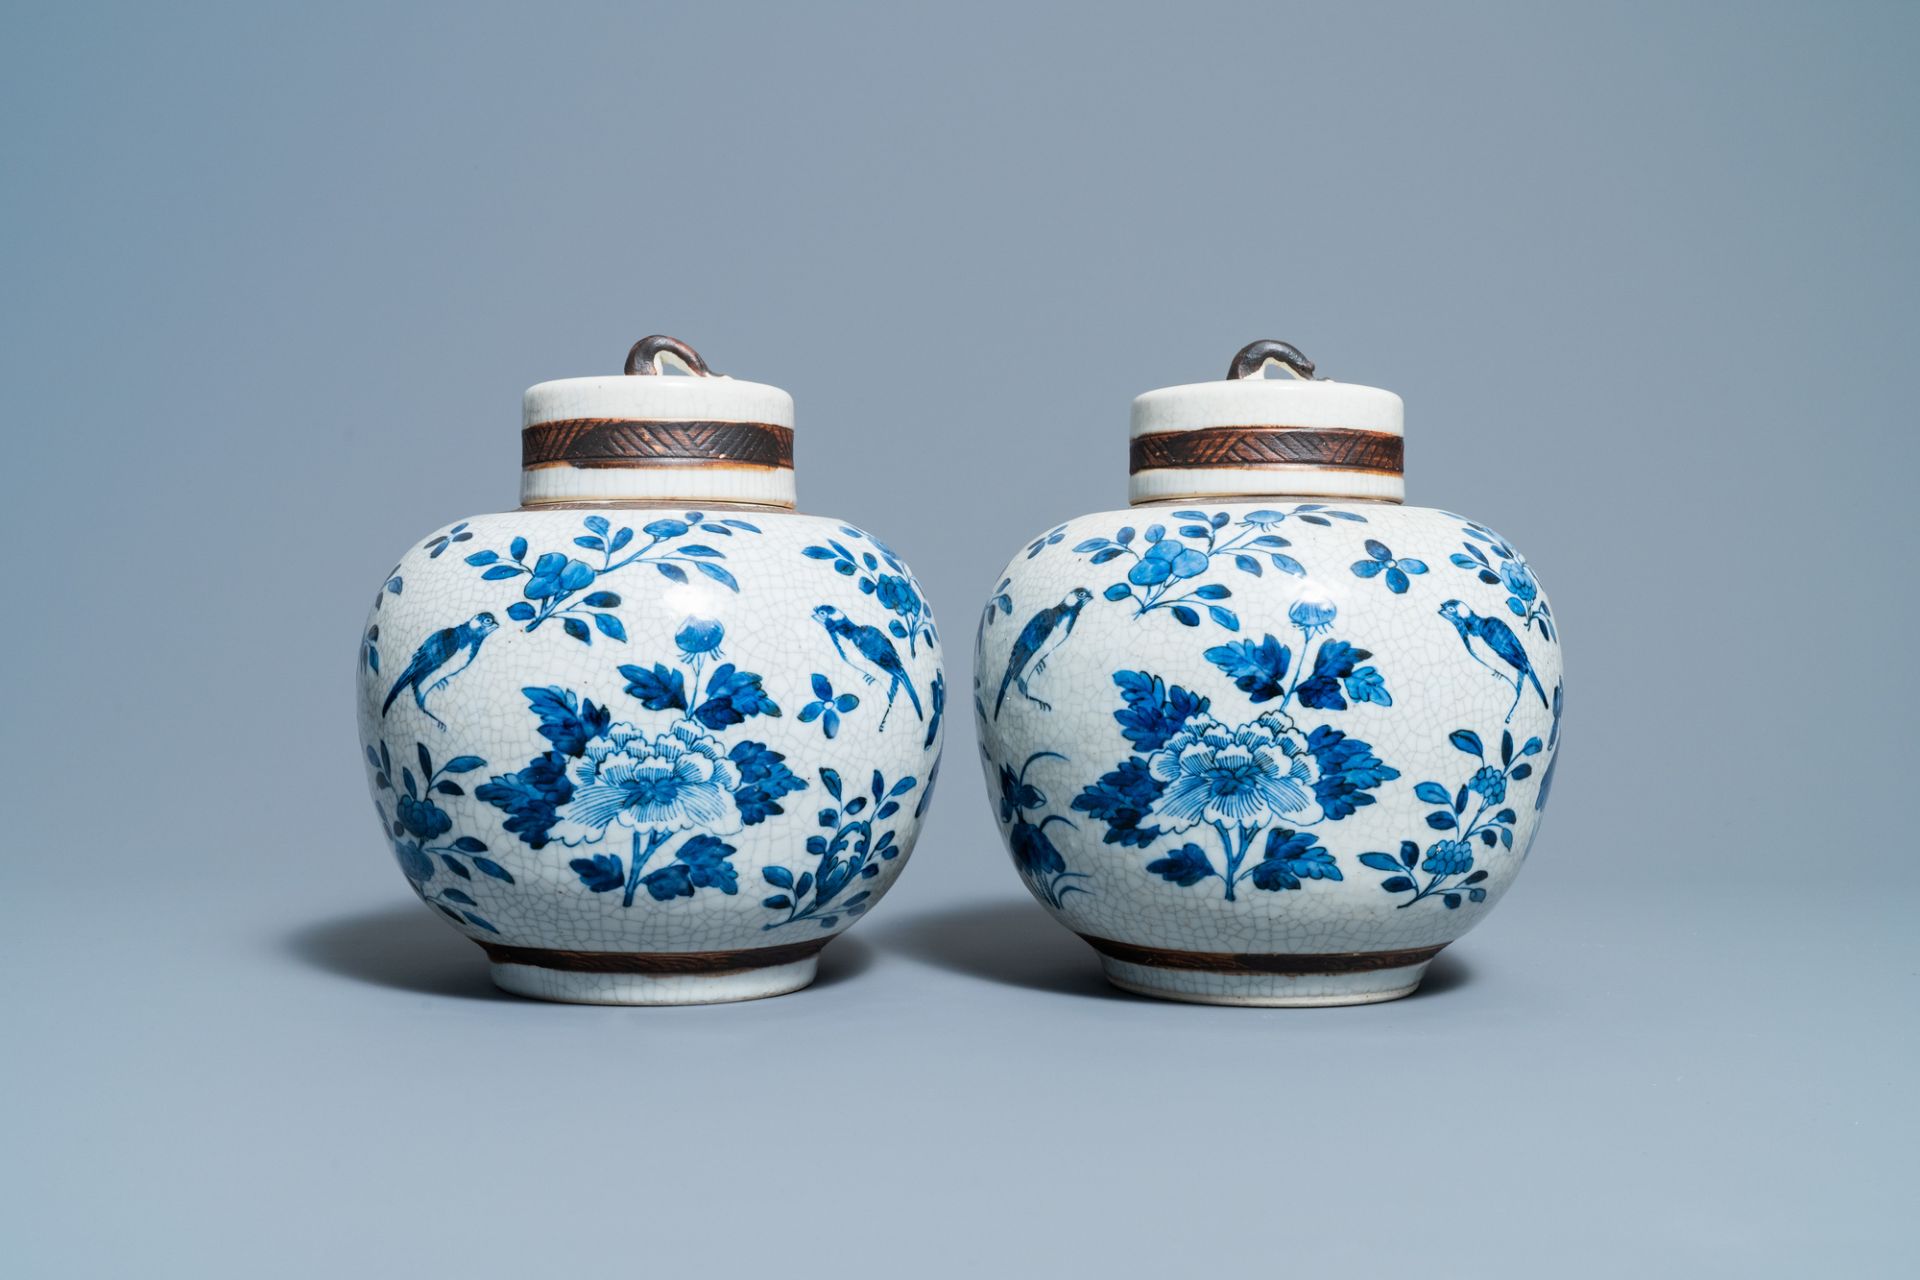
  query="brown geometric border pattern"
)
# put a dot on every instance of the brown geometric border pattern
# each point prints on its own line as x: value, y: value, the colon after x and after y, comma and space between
x: 1341, y: 449
x: 1241, y: 962
x: 632, y: 442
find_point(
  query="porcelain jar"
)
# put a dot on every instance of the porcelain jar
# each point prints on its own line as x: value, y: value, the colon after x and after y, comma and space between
x: 1270, y: 736
x: 654, y: 737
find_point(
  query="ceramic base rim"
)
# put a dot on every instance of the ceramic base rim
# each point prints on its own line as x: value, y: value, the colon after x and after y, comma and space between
x: 665, y: 978
x: 1265, y: 980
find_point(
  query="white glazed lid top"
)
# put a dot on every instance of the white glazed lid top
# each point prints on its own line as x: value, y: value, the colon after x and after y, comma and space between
x: 651, y: 434
x: 1249, y: 435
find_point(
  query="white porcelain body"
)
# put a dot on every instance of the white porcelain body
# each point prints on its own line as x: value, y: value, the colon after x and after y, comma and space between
x: 1129, y: 837
x: 708, y: 759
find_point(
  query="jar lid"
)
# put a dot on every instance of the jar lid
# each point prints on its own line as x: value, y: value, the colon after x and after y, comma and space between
x: 1253, y: 436
x: 650, y: 434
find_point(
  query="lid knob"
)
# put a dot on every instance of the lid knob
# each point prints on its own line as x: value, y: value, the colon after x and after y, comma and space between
x: 649, y: 434
x: 1250, y: 436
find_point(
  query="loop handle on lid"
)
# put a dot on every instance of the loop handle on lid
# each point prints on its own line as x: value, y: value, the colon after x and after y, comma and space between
x: 1252, y: 360
x: 644, y: 358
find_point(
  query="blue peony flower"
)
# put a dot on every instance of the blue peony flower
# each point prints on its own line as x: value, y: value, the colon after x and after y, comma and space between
x: 896, y: 593
x: 1250, y: 776
x: 678, y: 781
x: 1518, y: 579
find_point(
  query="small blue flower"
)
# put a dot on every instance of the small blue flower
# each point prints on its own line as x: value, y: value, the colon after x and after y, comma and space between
x: 1491, y: 783
x: 698, y: 637
x: 1167, y: 558
x: 896, y: 593
x: 423, y: 818
x: 1519, y: 579
x: 1448, y: 857
x: 826, y: 707
x: 1380, y: 559
x: 1312, y: 614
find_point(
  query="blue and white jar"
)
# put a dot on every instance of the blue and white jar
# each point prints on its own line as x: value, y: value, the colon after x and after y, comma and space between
x: 1270, y: 737
x: 653, y: 738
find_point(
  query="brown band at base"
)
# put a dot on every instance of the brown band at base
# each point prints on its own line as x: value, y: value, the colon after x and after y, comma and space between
x: 1336, y: 449
x: 660, y: 963
x: 633, y: 442
x: 1237, y: 962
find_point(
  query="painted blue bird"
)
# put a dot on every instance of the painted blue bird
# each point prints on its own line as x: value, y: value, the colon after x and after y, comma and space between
x: 435, y: 652
x: 1498, y: 637
x: 1039, y: 640
x: 873, y: 656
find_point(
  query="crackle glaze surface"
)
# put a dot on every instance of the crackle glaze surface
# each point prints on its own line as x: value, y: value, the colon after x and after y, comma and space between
x: 650, y: 730
x: 1269, y: 728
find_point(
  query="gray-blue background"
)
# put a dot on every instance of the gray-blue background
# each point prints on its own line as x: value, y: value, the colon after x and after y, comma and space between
x: 274, y: 281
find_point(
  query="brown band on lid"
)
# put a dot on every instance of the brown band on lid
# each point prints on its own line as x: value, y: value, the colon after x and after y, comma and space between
x: 1338, y: 449
x: 629, y: 442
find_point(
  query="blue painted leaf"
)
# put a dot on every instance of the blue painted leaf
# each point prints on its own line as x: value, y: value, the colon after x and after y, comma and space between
x: 454, y: 895
x: 1366, y: 568
x: 742, y: 524
x: 1367, y: 685
x: 610, y: 627
x: 1468, y: 741
x: 467, y: 844
x: 1463, y: 562
x: 518, y: 549
x: 620, y: 539
x: 1211, y: 591
x: 1185, y: 866
x: 733, y: 696
x: 479, y: 558
x: 1441, y: 820
x: 487, y: 866
x: 1258, y: 670
x: 1532, y: 748
x: 779, y: 877
x: 661, y: 689
x: 456, y: 866
x: 1451, y: 899
x: 1409, y: 853
x: 425, y: 759
x: 822, y: 687
x: 1396, y: 581
x: 778, y: 902
x: 1380, y: 861
x: 1477, y: 895
x: 1475, y: 878
x: 1287, y: 564
x: 1111, y: 553
x: 1415, y: 567
x: 602, y: 600
x: 1506, y: 747
x: 501, y: 572
x: 1397, y: 884
x: 1091, y: 544
x: 718, y: 574
x: 1521, y: 772
x: 591, y: 544
x: 1155, y: 532
x: 669, y: 882
x: 702, y: 551
x: 1348, y: 771
x: 708, y: 867
x: 462, y: 764
x: 816, y: 553
x: 1118, y: 591
x: 1185, y: 616
x: 1433, y: 793
x: 1246, y: 564
x: 671, y: 572
x: 520, y: 611
x: 577, y: 629
x: 665, y: 528
x: 830, y: 778
x: 596, y: 524
x: 478, y: 922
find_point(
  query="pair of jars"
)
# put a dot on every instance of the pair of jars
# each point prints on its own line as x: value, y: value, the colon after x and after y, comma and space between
x: 1267, y: 737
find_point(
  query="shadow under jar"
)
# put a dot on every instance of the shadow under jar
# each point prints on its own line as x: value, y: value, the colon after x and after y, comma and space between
x: 1269, y: 737
x: 652, y: 738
